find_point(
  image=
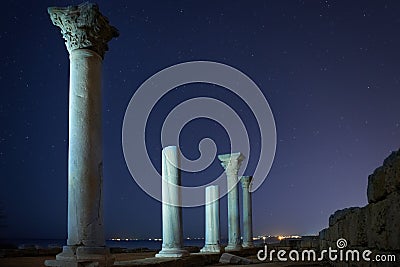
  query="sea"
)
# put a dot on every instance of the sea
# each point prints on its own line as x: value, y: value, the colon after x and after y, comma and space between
x: 130, y: 244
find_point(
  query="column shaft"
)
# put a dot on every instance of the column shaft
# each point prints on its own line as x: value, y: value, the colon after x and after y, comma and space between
x: 85, y: 216
x: 212, y: 230
x: 171, y: 207
x: 233, y: 213
x: 86, y: 32
x: 247, y: 212
x: 231, y: 164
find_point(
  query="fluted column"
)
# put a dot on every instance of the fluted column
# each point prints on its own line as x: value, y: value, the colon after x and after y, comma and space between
x: 247, y: 212
x: 86, y: 32
x: 231, y: 164
x: 172, y: 245
x: 212, y: 233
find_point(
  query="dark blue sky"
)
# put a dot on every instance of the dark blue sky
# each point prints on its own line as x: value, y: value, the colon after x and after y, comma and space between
x: 329, y: 69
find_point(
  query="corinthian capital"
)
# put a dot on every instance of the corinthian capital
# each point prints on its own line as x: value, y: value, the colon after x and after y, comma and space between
x: 246, y: 181
x: 83, y: 26
x: 231, y: 162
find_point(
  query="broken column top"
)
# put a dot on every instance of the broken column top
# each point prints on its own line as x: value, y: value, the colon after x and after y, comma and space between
x: 83, y: 26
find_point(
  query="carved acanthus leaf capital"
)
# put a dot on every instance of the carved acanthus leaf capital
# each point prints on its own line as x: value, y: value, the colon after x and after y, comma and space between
x: 246, y: 181
x: 231, y: 162
x: 83, y: 26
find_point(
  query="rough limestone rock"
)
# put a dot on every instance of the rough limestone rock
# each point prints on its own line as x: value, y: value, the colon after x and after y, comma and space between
x: 377, y: 225
x: 385, y: 179
x: 383, y: 223
x: 308, y: 242
x: 340, y: 215
x: 376, y: 186
x: 233, y: 259
x: 355, y: 227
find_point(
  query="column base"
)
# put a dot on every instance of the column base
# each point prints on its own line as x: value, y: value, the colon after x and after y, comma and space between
x: 82, y: 256
x: 172, y: 253
x: 248, y: 245
x: 233, y: 247
x: 210, y: 248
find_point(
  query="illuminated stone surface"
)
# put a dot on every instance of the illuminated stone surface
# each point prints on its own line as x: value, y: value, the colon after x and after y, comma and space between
x: 86, y: 33
x: 231, y: 164
x: 247, y: 212
x: 212, y: 230
x: 172, y: 245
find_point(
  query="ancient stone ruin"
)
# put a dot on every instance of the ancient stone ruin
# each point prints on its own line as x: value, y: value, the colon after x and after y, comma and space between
x: 231, y: 164
x: 212, y: 230
x: 86, y: 32
x: 375, y: 226
x: 247, y: 210
x: 172, y: 225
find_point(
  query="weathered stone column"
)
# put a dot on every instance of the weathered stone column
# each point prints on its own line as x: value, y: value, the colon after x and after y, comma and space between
x: 212, y: 244
x: 86, y: 32
x: 247, y: 212
x: 231, y: 163
x: 172, y: 245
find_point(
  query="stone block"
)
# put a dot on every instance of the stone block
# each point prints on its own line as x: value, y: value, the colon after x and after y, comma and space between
x: 376, y: 224
x: 385, y: 179
x: 353, y: 228
x: 383, y: 222
x: 392, y: 172
x: 376, y: 186
x: 340, y: 215
x: 233, y: 259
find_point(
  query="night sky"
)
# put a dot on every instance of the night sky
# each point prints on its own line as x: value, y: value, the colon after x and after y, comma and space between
x: 330, y: 71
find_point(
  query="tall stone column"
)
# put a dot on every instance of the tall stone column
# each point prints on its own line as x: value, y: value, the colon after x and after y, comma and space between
x: 86, y: 32
x: 247, y: 212
x: 212, y: 244
x: 172, y: 245
x: 231, y: 163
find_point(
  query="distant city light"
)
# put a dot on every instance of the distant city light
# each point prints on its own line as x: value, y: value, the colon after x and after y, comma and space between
x: 260, y: 237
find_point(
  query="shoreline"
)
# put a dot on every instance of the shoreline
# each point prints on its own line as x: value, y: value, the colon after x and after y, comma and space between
x: 145, y: 257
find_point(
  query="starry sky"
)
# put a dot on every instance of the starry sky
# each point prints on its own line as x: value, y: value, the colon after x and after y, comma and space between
x: 330, y: 71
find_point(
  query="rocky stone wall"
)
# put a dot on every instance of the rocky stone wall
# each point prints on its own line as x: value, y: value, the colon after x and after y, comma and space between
x: 377, y: 225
